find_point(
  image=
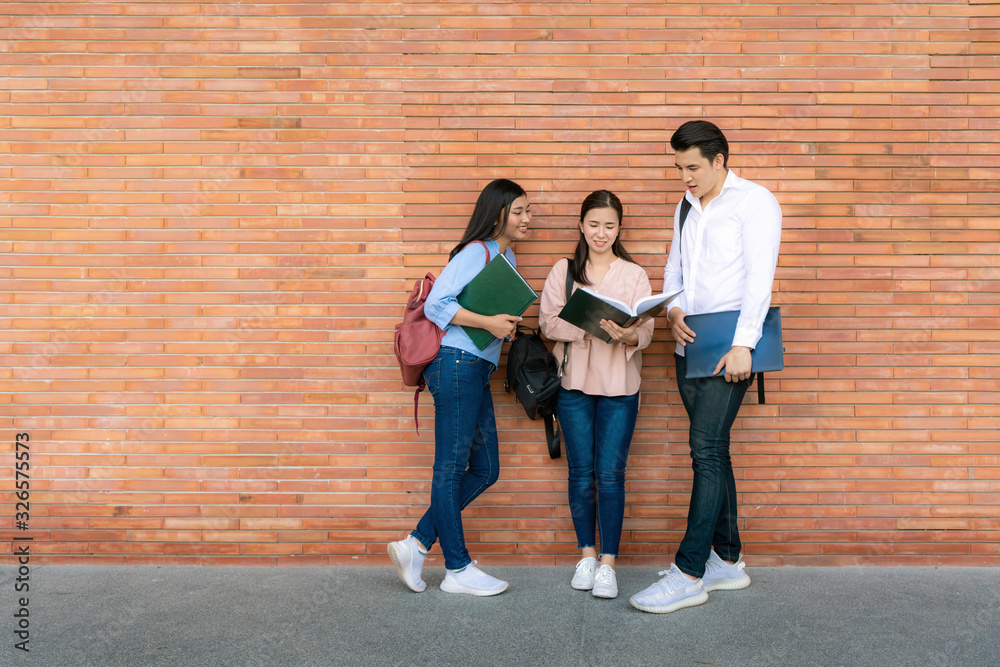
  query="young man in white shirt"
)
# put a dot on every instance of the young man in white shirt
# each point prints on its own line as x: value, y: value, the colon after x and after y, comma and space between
x: 725, y: 260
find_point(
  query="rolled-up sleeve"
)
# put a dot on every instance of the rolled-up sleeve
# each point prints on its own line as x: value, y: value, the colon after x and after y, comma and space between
x: 442, y: 303
x: 761, y: 241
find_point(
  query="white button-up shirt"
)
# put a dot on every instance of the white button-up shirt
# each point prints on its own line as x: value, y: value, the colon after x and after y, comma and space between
x: 727, y: 256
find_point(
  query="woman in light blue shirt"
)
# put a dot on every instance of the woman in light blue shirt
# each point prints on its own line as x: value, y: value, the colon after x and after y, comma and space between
x: 466, y: 451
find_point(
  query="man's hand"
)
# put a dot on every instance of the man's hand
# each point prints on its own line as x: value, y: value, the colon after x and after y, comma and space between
x: 737, y: 363
x: 626, y: 336
x: 682, y: 334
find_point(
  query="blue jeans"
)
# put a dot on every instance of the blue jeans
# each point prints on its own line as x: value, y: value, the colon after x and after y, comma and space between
x: 598, y: 433
x: 466, y: 452
x: 711, y: 404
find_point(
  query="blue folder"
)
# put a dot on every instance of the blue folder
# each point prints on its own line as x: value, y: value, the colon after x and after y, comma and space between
x: 714, y: 338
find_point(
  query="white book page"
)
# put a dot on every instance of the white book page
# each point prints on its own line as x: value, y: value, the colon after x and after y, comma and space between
x: 640, y: 306
x: 621, y: 305
x: 651, y: 301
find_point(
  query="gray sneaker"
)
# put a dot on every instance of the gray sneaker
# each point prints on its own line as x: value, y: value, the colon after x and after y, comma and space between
x: 723, y: 576
x: 674, y: 591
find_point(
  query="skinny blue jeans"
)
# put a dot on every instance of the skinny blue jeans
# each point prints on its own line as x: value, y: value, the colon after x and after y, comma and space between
x: 598, y: 433
x: 711, y: 404
x: 466, y: 451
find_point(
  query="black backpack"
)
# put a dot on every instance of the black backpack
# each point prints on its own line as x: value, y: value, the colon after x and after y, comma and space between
x: 535, y: 377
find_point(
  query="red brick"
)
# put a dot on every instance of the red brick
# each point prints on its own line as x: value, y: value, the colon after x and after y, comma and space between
x: 207, y: 254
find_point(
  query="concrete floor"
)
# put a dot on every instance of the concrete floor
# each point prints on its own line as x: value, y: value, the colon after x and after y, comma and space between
x: 173, y: 615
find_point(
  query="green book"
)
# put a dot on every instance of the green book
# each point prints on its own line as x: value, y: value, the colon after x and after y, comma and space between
x: 586, y: 309
x: 498, y: 288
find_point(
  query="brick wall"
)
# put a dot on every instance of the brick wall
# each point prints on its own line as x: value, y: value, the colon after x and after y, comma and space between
x: 210, y: 214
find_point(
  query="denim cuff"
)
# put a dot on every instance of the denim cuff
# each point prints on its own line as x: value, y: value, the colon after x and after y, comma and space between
x: 727, y: 557
x: 690, y: 574
x: 427, y: 544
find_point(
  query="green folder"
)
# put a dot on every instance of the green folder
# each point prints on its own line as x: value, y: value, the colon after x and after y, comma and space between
x: 498, y: 288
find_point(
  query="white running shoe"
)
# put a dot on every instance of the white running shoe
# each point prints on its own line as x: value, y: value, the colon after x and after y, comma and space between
x: 723, y: 576
x: 674, y: 591
x: 583, y: 580
x: 473, y: 581
x: 408, y: 562
x: 605, y: 583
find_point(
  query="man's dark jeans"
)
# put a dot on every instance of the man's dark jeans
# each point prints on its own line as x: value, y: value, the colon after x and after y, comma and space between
x: 711, y: 404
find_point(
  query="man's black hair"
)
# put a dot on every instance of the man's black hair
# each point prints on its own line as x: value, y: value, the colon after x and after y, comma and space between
x: 706, y: 136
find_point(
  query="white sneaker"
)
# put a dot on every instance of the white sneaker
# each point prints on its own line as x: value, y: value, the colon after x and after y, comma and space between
x: 408, y: 562
x: 674, y: 591
x: 723, y: 576
x: 605, y: 583
x: 583, y: 580
x: 473, y: 581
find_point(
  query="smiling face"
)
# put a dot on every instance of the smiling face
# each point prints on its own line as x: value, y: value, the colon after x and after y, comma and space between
x: 703, y: 178
x: 600, y: 228
x: 516, y: 226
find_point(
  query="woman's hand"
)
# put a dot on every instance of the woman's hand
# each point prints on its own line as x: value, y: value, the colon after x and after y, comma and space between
x: 502, y: 325
x: 617, y: 333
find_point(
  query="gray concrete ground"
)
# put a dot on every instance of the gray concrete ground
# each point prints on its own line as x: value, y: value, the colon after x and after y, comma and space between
x: 172, y: 615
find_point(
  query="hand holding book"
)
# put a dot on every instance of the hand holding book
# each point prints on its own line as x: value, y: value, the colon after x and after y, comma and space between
x: 626, y: 335
x: 586, y: 309
x: 498, y: 293
x: 500, y: 326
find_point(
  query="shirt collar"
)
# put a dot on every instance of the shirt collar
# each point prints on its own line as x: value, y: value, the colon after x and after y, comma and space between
x: 732, y: 181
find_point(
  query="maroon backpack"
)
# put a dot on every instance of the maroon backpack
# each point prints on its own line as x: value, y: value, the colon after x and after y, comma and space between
x: 417, y: 339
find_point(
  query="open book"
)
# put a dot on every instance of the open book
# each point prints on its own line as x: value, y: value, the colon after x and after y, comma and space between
x: 586, y: 309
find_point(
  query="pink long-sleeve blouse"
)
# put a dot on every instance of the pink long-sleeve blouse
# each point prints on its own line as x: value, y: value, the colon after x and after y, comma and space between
x: 595, y: 367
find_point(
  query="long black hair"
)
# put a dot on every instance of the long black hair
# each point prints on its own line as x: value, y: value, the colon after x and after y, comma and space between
x: 578, y: 263
x: 493, y: 204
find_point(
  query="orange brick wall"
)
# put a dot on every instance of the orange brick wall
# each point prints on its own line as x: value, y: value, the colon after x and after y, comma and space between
x: 210, y: 215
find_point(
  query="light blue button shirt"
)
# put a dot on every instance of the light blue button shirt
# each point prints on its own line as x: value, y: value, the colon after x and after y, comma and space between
x: 441, y: 304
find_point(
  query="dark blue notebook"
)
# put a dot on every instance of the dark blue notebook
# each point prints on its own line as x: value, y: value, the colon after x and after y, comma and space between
x: 714, y: 338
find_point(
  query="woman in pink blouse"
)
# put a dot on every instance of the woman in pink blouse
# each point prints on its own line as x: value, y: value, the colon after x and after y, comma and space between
x: 599, y: 399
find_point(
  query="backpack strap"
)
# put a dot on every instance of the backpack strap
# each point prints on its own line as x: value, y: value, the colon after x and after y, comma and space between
x: 486, y: 249
x: 416, y: 400
x: 552, y: 435
x: 685, y: 208
x: 569, y: 293
x: 553, y: 432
